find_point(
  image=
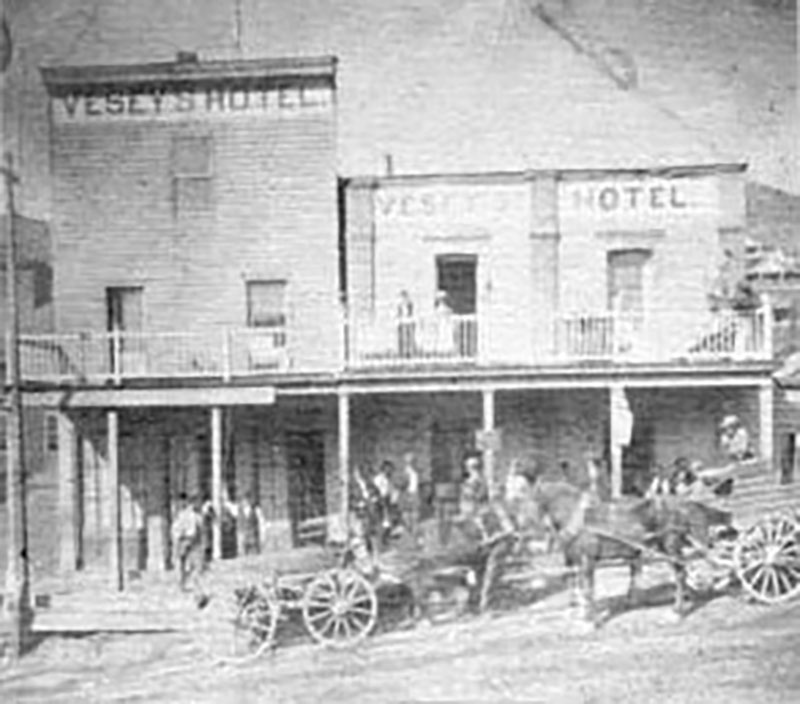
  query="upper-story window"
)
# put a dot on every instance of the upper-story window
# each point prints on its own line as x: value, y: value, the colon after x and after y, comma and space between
x: 192, y: 174
x: 266, y: 304
x: 626, y: 280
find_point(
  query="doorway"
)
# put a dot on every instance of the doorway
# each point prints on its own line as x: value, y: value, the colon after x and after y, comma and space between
x: 306, y: 461
x: 456, y: 275
x: 125, y: 316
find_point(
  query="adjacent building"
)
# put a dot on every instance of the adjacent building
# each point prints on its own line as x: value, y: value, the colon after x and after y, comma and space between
x: 35, y: 310
x: 195, y: 232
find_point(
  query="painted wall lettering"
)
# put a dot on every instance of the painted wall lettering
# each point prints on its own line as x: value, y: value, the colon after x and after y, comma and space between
x: 450, y: 204
x: 641, y: 199
x: 279, y: 102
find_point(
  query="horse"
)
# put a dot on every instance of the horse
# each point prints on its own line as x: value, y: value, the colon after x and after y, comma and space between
x: 590, y: 531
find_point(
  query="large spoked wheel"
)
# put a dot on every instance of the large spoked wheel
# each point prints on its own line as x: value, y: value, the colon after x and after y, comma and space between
x: 340, y: 607
x: 767, y: 560
x: 255, y: 624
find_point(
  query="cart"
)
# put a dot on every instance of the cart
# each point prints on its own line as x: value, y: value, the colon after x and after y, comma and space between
x: 335, y: 589
x: 330, y: 590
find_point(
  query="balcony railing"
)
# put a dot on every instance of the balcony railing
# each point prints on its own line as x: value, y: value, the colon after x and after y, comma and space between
x: 117, y: 356
x: 577, y: 338
x: 447, y: 339
x: 373, y: 342
x: 729, y: 335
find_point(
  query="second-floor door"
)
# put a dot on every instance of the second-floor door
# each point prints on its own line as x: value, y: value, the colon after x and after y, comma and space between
x: 126, y: 318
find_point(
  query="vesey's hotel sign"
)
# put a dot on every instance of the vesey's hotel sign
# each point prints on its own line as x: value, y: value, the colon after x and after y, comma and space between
x: 643, y: 200
x: 451, y: 204
x: 216, y: 103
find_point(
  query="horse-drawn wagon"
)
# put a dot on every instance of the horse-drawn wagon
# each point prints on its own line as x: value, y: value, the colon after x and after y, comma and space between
x: 338, y: 589
x: 340, y: 597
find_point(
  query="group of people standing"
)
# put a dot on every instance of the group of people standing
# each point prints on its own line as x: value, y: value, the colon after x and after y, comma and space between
x: 386, y: 501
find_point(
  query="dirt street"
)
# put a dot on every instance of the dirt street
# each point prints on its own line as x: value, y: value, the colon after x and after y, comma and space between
x: 727, y: 650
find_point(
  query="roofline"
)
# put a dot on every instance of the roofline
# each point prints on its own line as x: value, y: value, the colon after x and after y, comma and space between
x: 189, y: 69
x: 572, y: 174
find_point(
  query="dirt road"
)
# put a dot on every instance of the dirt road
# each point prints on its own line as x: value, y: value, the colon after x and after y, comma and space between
x: 727, y: 650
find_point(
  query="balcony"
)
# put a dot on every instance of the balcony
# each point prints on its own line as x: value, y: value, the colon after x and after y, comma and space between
x: 99, y: 357
x: 572, y: 339
x: 375, y: 342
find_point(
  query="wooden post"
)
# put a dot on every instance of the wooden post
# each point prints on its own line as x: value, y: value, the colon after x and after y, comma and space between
x: 216, y: 480
x: 621, y: 427
x: 766, y: 404
x: 488, y: 430
x: 112, y: 439
x: 67, y: 493
x: 344, y: 452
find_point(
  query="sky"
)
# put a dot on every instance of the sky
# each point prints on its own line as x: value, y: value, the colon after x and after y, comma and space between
x: 460, y: 85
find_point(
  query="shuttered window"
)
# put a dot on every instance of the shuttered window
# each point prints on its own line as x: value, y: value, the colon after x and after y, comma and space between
x: 192, y: 174
x: 266, y: 303
x: 626, y: 280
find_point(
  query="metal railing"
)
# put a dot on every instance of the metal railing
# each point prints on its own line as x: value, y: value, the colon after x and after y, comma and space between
x: 102, y: 356
x: 435, y: 339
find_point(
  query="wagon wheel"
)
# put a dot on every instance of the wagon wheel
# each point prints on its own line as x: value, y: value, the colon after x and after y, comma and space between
x: 255, y: 625
x: 767, y: 559
x: 340, y: 607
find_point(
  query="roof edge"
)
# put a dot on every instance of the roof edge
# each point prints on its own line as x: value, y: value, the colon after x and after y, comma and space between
x: 682, y: 171
x: 189, y: 68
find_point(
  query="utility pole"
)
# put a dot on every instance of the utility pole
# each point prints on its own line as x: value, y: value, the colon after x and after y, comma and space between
x: 16, y: 605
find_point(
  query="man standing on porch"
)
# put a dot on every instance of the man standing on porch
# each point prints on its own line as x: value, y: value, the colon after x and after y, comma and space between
x: 187, y: 537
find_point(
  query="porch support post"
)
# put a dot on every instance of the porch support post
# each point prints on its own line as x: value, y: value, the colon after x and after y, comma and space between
x: 344, y: 451
x: 766, y: 402
x: 621, y: 426
x: 216, y: 480
x: 488, y: 431
x: 112, y: 422
x: 67, y: 494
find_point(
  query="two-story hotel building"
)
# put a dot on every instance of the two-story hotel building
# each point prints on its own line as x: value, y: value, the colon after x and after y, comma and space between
x: 576, y: 320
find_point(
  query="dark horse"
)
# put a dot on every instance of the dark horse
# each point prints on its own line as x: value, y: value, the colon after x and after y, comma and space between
x: 590, y: 531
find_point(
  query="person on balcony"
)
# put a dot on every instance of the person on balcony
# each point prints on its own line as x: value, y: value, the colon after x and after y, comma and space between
x: 405, y: 326
x: 445, y: 325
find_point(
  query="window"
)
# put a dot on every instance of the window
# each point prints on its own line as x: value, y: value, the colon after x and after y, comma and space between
x: 3, y: 432
x: 626, y: 280
x: 51, y: 432
x: 192, y: 173
x: 125, y: 310
x: 266, y: 304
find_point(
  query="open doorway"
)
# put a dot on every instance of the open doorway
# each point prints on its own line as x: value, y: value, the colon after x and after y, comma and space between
x: 456, y: 278
x: 456, y: 275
